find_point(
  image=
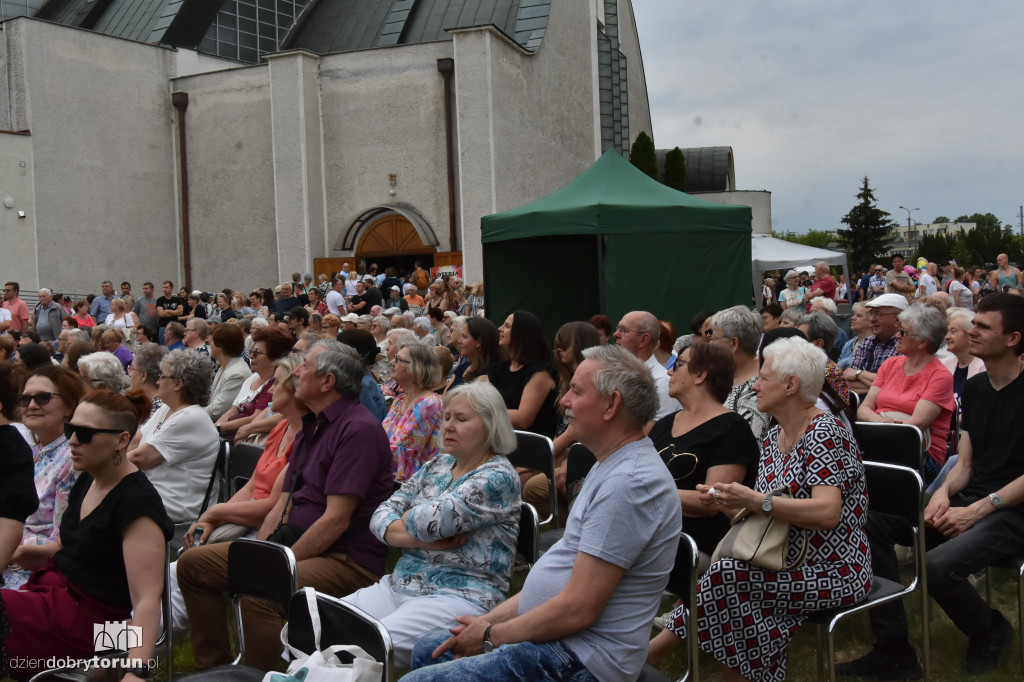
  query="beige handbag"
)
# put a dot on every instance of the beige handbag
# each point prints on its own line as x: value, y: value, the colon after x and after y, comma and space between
x: 760, y: 539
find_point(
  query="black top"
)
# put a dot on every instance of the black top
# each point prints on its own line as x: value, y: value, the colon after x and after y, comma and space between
x: 511, y: 385
x: 17, y: 490
x: 172, y: 303
x: 725, y: 439
x: 992, y: 418
x: 91, y: 554
x: 959, y: 380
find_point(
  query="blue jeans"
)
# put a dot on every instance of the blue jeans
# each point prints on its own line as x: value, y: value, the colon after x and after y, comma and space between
x: 514, y: 662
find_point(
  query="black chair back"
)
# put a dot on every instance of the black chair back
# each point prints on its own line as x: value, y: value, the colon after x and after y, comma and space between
x: 537, y: 452
x: 240, y: 467
x: 528, y: 542
x: 894, y: 490
x: 580, y: 462
x: 891, y: 444
x: 257, y: 568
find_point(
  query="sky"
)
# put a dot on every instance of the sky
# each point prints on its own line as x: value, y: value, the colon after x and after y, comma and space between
x: 924, y: 98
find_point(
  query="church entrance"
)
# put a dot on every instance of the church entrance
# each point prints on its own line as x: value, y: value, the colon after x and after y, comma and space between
x: 392, y: 242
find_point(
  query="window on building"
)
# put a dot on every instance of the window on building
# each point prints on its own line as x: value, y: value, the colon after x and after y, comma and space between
x: 248, y: 29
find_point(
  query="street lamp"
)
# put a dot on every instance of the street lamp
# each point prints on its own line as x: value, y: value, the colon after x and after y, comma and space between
x: 910, y: 223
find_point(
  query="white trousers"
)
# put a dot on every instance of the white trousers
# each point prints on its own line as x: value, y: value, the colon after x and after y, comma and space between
x: 408, y: 618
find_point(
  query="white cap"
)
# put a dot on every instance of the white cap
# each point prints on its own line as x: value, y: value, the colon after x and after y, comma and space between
x: 888, y: 301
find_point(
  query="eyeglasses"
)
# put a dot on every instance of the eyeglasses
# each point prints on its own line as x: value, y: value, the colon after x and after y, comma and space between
x: 903, y: 332
x: 255, y: 353
x: 623, y: 330
x: 41, y: 398
x: 679, y: 363
x: 402, y: 360
x: 879, y: 313
x: 163, y: 376
x: 85, y: 433
x: 708, y: 333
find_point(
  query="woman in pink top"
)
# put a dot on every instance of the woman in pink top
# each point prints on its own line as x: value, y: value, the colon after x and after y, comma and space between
x: 414, y: 421
x: 914, y: 387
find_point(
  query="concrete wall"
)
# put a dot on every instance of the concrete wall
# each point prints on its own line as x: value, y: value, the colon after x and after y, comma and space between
x: 98, y: 109
x: 383, y: 113
x: 526, y: 122
x: 18, y: 257
x: 759, y: 201
x: 231, y: 179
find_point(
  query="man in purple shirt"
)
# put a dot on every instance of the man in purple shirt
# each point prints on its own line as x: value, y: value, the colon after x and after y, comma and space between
x: 339, y: 473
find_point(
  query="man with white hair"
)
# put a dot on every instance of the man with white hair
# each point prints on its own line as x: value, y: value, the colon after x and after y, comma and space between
x: 638, y: 332
x: 824, y: 285
x: 47, y: 317
x: 588, y: 603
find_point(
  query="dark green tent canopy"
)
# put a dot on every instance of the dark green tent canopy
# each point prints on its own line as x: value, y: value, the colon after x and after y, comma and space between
x: 611, y: 241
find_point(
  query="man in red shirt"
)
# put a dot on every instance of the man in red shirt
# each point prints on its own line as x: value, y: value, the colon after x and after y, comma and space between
x: 823, y: 285
x: 19, y: 311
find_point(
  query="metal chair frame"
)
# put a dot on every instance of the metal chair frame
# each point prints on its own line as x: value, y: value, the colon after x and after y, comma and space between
x: 537, y: 452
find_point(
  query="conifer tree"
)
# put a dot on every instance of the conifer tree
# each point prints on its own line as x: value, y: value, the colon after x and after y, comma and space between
x: 642, y: 155
x: 870, y: 230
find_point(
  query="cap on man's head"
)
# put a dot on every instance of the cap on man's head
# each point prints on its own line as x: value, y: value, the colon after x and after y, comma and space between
x: 351, y: 317
x: 395, y: 288
x: 888, y: 300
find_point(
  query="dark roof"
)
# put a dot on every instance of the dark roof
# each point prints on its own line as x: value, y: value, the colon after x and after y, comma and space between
x: 328, y: 26
x: 708, y: 169
x: 169, y: 22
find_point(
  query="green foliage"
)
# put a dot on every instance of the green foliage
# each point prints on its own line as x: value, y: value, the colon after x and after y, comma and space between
x: 675, y: 169
x: 819, y: 239
x: 937, y: 248
x: 961, y: 255
x: 942, y: 219
x: 642, y: 155
x: 869, y: 232
x: 989, y: 239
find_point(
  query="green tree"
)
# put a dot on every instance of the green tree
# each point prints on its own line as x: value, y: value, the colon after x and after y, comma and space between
x: 989, y: 239
x: 675, y: 169
x: 869, y: 231
x: 937, y: 248
x: 942, y: 219
x: 961, y: 255
x: 642, y: 155
x: 817, y: 238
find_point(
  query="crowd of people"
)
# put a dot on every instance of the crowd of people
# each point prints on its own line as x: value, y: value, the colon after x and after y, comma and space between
x: 385, y: 407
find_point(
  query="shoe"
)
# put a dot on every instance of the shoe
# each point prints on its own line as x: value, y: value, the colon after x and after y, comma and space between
x: 882, y: 665
x: 984, y: 651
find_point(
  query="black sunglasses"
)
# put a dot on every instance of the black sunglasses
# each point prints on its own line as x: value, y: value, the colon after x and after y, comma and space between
x: 41, y: 398
x: 85, y: 433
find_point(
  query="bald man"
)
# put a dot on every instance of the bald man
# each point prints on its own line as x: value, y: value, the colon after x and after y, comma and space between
x: 823, y: 285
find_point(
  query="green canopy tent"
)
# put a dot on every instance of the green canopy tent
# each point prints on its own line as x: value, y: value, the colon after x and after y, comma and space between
x: 611, y: 241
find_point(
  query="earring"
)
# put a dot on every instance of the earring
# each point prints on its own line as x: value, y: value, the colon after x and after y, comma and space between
x: 117, y: 458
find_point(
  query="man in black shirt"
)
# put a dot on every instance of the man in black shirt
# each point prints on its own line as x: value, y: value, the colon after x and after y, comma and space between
x: 974, y: 519
x: 168, y: 308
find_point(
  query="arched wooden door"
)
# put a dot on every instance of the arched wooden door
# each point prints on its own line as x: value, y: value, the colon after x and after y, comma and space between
x: 390, y: 236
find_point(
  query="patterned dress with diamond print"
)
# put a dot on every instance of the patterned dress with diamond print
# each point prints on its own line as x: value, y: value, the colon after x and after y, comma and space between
x: 746, y: 615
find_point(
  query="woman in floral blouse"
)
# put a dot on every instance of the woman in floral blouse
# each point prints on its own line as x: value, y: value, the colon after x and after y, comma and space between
x: 456, y: 521
x: 49, y: 399
x: 414, y: 421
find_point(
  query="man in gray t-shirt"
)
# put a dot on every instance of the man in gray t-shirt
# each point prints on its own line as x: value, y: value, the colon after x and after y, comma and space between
x: 587, y: 605
x: 145, y: 309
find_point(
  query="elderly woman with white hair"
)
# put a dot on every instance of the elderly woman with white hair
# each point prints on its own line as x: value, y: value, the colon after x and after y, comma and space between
x: 104, y: 370
x: 812, y: 459
x: 914, y: 387
x: 960, y: 363
x: 739, y: 329
x: 793, y: 295
x: 456, y: 521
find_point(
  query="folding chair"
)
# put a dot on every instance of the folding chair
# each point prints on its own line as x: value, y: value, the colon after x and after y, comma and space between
x: 900, y: 444
x: 537, y: 452
x: 340, y: 623
x: 241, y: 463
x: 579, y: 462
x: 898, y: 491
x: 682, y: 582
x: 527, y: 548
x: 1015, y: 564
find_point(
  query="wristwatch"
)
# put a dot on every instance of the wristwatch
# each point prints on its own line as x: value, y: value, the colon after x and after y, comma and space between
x: 140, y: 671
x: 857, y: 373
x: 996, y: 501
x: 766, y: 504
x: 488, y: 645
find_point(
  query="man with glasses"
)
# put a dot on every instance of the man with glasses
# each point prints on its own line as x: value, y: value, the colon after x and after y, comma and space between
x: 880, y: 346
x: 876, y: 285
x: 638, y: 332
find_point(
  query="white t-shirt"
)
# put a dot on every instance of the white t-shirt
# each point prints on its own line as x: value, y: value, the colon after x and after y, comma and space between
x: 188, y: 442
x: 335, y: 302
x: 928, y: 282
x: 5, y: 315
x: 125, y: 321
x: 666, y: 403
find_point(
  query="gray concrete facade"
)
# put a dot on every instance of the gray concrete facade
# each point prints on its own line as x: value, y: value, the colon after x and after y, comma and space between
x: 284, y: 158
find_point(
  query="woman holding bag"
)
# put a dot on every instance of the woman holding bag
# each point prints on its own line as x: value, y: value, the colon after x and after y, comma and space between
x: 812, y: 456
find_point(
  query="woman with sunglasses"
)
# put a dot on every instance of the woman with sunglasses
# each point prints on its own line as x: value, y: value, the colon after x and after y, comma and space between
x: 110, y: 562
x: 49, y: 398
x: 178, y: 444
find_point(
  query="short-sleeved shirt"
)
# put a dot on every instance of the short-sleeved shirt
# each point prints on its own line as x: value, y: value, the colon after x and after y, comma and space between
x: 871, y: 353
x: 342, y: 451
x: 414, y: 432
x: 101, y: 307
x: 898, y: 276
x: 827, y: 285
x: 900, y: 393
x: 91, y: 554
x: 19, y: 313
x: 721, y: 440
x: 145, y: 309
x: 993, y: 420
x: 168, y: 303
x: 627, y: 514
x: 188, y: 442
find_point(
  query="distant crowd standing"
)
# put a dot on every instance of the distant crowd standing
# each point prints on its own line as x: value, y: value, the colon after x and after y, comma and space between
x: 386, y: 407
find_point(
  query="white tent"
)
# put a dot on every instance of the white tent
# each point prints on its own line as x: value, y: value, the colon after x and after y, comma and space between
x: 768, y: 253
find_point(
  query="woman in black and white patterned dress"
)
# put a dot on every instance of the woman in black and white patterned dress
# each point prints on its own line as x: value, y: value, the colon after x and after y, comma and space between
x: 747, y: 614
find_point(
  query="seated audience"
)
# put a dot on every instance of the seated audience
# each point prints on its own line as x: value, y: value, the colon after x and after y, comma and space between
x: 232, y: 370
x: 960, y: 362
x: 371, y: 396
x: 526, y: 379
x: 413, y: 423
x: 246, y: 416
x: 144, y: 372
x: 104, y: 370
x: 109, y: 564
x: 479, y: 352
x: 456, y: 521
x: 739, y: 329
x: 18, y: 498
x: 178, y: 444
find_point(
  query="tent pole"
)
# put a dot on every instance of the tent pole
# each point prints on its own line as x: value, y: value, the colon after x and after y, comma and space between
x: 600, y: 274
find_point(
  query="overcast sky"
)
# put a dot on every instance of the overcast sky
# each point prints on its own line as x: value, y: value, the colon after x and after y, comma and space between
x: 924, y: 98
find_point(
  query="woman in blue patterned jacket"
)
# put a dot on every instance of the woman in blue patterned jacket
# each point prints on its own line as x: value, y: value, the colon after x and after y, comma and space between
x: 456, y: 520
